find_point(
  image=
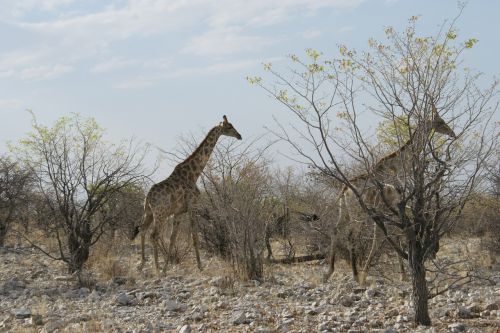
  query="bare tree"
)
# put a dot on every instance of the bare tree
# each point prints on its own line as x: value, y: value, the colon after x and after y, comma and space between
x: 123, y: 210
x: 414, y: 78
x: 235, y: 186
x: 77, y: 174
x: 15, y: 187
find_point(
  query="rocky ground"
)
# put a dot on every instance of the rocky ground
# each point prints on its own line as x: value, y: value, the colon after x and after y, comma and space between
x: 35, y: 297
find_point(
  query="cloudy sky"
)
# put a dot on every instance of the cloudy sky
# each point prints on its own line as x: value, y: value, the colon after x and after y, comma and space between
x: 156, y: 69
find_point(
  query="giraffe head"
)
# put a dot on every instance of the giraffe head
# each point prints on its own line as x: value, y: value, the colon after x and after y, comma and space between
x: 439, y: 125
x: 228, y: 129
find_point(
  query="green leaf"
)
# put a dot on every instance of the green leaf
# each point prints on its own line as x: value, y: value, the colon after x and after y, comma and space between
x: 470, y: 43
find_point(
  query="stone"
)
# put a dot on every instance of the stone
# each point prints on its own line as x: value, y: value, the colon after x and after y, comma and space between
x: 347, y: 301
x: 197, y: 315
x: 371, y: 293
x: 401, y: 318
x: 239, y: 318
x: 83, y: 292
x: 119, y: 280
x: 475, y: 308
x: 123, y: 299
x: 485, y: 313
x: 94, y: 296
x: 492, y: 306
x: 14, y: 284
x: 21, y: 313
x: 52, y: 326
x: 465, y: 313
x: 185, y: 329
x: 425, y: 329
x: 171, y: 305
x: 36, y: 320
x: 456, y: 327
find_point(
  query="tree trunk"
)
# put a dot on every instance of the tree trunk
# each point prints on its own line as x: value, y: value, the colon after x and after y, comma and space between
x: 419, y: 285
x: 79, y: 241
x: 4, y: 225
x: 3, y: 233
x: 253, y: 264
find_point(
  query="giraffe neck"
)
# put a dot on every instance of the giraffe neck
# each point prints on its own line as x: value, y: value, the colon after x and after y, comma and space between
x: 393, y: 162
x: 193, y: 165
x: 389, y: 163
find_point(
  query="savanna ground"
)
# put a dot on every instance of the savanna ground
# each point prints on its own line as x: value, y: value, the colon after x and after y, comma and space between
x: 36, y: 295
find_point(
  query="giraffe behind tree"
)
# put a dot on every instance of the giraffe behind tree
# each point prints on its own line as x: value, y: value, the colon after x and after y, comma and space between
x: 376, y: 192
x: 178, y: 194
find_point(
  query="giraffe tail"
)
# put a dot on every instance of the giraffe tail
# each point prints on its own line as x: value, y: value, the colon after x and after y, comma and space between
x: 135, y: 232
x: 146, y: 220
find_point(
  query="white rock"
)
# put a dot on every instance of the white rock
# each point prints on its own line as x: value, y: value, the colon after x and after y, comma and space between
x: 36, y: 320
x: 21, y: 313
x: 456, y: 327
x: 171, y: 305
x: 185, y: 329
x: 239, y: 318
x: 53, y: 325
x: 123, y: 299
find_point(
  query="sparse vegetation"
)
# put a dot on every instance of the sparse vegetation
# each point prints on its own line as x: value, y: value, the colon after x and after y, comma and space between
x: 411, y: 82
x: 78, y: 177
x: 423, y: 197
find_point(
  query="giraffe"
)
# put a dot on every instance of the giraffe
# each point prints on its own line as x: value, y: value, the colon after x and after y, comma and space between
x: 178, y: 194
x: 376, y: 193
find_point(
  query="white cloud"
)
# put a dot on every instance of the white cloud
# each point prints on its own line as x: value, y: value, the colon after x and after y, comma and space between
x: 214, y: 69
x: 265, y: 12
x: 115, y: 64
x: 135, y: 83
x: 112, y: 65
x: 18, y: 8
x: 61, y: 43
x: 111, y: 24
x: 311, y: 33
x: 31, y: 66
x: 347, y: 28
x: 223, y: 41
x: 44, y: 72
x: 10, y: 104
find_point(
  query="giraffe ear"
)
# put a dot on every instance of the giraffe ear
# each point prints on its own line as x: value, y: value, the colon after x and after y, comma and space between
x: 225, y: 119
x: 434, y: 110
x: 433, y: 106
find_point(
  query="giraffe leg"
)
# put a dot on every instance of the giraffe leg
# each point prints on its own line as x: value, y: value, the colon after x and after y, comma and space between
x: 331, y: 266
x: 402, y: 269
x: 291, y: 252
x: 143, y: 254
x: 373, y: 249
x: 154, y: 240
x: 268, y: 243
x: 146, y: 222
x: 343, y: 216
x: 194, y: 231
x: 353, y: 265
x: 173, y: 240
x: 401, y: 261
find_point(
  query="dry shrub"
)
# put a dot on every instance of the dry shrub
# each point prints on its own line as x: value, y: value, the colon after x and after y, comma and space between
x: 480, y: 218
x: 183, y: 245
x: 236, y: 183
x: 108, y: 262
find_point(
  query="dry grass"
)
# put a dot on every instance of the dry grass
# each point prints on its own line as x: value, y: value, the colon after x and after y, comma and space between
x: 113, y: 258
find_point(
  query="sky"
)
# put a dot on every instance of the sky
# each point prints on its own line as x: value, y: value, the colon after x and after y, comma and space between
x: 160, y: 69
